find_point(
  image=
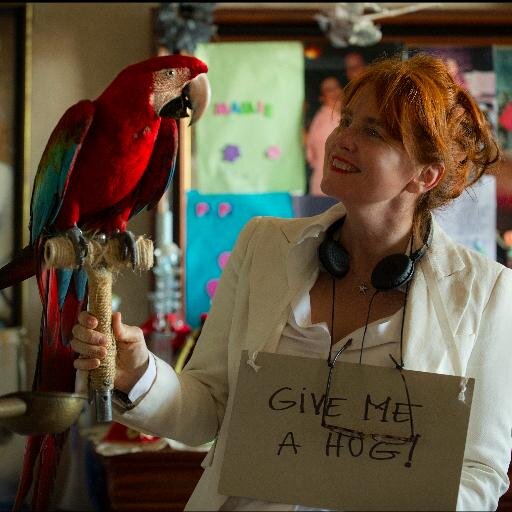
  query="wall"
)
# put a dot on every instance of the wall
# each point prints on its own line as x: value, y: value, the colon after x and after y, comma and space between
x: 77, y: 49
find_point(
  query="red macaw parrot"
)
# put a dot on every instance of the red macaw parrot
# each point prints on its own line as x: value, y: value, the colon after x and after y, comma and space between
x: 105, y: 161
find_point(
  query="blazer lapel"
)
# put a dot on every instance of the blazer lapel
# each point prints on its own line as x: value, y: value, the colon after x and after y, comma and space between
x: 279, y: 266
x: 268, y: 295
x: 438, y: 297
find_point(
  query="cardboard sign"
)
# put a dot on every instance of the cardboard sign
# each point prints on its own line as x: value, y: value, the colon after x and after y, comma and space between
x: 277, y: 449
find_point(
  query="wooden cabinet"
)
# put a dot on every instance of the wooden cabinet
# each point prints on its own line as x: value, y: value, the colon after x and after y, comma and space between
x: 151, y: 481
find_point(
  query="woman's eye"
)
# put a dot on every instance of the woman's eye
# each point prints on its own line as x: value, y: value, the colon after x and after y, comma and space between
x: 372, y: 132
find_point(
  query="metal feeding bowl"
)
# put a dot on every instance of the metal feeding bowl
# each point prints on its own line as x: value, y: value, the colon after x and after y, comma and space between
x: 40, y: 412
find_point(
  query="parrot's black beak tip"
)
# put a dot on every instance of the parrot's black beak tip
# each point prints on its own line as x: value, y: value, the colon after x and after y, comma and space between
x: 178, y: 107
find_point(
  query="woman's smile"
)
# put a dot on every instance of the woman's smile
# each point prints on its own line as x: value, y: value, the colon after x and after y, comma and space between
x: 342, y: 166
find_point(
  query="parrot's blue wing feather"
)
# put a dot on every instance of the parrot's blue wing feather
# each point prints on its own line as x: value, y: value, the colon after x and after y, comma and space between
x: 80, y: 283
x: 56, y: 166
x: 63, y: 277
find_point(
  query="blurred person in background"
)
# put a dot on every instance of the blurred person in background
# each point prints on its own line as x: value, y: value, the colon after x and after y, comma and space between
x: 324, y: 122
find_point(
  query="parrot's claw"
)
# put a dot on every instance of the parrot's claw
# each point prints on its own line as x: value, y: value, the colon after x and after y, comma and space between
x: 128, y: 246
x: 80, y: 244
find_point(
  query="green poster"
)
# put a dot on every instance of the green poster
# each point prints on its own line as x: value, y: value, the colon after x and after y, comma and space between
x: 250, y: 138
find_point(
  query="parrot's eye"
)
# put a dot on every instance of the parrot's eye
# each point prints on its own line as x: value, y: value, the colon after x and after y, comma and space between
x: 170, y: 72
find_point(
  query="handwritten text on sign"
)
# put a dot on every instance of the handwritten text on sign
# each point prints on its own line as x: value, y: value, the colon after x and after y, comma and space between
x: 277, y: 449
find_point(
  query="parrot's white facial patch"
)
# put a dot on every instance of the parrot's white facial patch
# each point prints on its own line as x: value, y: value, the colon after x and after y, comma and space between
x: 168, y: 85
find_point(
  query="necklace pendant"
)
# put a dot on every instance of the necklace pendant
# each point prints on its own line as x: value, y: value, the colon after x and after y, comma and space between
x: 363, y: 288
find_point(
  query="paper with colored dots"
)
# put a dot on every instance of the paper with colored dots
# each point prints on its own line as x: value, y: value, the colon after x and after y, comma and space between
x: 249, y: 138
x: 213, y: 224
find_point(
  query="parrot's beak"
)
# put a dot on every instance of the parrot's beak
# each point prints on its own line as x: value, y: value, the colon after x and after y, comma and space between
x: 195, y: 96
x: 200, y: 95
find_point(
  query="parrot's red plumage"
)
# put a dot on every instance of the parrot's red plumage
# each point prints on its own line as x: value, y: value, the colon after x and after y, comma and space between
x: 105, y: 161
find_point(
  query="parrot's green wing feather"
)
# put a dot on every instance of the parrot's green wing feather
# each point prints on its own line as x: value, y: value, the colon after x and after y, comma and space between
x: 56, y: 165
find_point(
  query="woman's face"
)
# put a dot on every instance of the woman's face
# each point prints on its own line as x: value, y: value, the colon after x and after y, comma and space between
x: 361, y: 166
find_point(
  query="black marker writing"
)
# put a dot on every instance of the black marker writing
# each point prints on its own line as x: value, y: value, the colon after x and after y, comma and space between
x: 384, y: 407
x: 283, y: 399
x: 292, y: 443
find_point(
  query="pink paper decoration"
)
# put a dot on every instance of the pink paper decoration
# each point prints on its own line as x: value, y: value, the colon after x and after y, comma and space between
x: 202, y: 209
x: 211, y: 287
x: 224, y: 209
x: 273, y: 152
x: 223, y: 259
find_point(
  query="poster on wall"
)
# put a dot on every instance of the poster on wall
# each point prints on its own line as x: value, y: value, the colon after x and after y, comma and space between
x: 471, y: 218
x: 503, y: 69
x: 249, y: 139
x: 472, y: 67
x: 327, y: 71
x: 213, y: 224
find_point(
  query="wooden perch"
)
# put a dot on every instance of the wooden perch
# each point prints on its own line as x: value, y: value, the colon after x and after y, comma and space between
x: 102, y: 261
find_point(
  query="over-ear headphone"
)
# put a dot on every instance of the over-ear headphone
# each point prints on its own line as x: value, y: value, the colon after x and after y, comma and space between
x: 390, y: 273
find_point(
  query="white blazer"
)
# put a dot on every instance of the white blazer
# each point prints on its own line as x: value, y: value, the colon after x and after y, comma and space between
x: 458, y: 322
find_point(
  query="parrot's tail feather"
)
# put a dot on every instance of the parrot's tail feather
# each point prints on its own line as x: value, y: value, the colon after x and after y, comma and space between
x: 40, y: 465
x: 49, y: 461
x: 54, y: 372
x: 20, y: 268
x: 32, y: 450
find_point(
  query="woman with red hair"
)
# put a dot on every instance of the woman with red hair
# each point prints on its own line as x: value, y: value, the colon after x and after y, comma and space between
x: 375, y: 276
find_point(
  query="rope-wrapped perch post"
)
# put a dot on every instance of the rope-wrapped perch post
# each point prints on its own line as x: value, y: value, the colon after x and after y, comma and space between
x: 104, y: 259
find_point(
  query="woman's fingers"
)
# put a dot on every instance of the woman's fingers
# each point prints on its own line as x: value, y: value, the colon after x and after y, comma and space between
x: 91, y: 345
x: 86, y: 364
x: 88, y: 350
x: 86, y: 335
x: 87, y: 320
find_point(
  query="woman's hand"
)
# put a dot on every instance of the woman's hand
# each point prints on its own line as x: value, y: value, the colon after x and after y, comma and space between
x: 132, y: 354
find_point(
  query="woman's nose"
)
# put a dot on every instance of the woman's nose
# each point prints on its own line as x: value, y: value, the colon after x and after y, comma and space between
x: 346, y: 138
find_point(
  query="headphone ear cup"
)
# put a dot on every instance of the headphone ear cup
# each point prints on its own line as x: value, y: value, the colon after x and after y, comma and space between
x: 392, y: 272
x: 334, y: 258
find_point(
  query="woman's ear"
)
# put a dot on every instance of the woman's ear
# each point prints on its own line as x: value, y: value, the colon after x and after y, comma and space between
x: 427, y: 179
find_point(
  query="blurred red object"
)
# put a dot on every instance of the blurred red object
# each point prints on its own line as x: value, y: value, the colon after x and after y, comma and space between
x: 118, y: 433
x: 505, y: 118
x: 178, y: 328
